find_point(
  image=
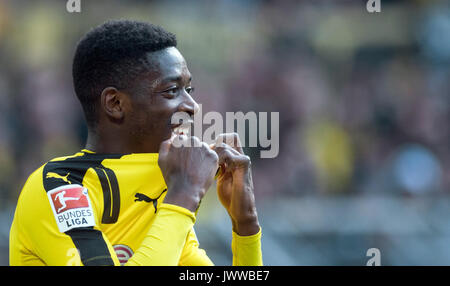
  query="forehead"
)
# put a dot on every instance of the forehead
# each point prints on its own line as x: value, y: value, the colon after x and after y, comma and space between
x: 167, y: 63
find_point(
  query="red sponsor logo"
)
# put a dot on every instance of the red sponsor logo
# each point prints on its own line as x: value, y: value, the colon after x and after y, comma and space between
x: 123, y: 253
x: 69, y: 198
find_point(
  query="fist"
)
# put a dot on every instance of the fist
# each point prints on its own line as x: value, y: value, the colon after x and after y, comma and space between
x: 235, y: 185
x: 188, y: 167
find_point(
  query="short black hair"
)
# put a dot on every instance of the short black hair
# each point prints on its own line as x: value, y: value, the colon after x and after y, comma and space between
x: 114, y: 54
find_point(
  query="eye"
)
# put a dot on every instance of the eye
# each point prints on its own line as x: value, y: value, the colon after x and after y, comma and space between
x: 171, y: 91
x: 190, y: 89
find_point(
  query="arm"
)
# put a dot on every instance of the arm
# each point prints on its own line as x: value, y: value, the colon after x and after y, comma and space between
x: 237, y: 197
x: 235, y: 191
x: 166, y: 238
x: 175, y: 219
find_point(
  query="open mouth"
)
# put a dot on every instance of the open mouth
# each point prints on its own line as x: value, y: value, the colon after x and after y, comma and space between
x: 182, y: 129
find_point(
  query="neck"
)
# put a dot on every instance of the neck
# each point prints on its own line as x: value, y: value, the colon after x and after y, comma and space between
x: 117, y: 143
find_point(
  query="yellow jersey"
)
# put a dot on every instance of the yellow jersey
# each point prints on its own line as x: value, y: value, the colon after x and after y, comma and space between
x: 108, y: 209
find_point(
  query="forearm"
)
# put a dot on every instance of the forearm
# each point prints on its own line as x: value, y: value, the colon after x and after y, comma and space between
x: 165, y: 239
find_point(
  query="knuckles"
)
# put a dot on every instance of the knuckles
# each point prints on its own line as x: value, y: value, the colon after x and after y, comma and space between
x: 183, y: 144
x: 245, y: 161
x: 229, y: 138
x: 195, y: 141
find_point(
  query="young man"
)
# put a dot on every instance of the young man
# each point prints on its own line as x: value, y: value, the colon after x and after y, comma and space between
x: 131, y: 195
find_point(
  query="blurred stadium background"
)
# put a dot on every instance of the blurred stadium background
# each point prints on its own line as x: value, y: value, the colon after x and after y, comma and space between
x: 363, y: 98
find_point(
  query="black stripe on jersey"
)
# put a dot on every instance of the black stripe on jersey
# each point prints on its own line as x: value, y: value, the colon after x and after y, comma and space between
x: 72, y: 171
x: 93, y: 249
x: 89, y: 242
x: 111, y: 195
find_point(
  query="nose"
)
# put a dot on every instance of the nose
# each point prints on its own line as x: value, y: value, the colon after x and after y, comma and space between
x: 189, y: 105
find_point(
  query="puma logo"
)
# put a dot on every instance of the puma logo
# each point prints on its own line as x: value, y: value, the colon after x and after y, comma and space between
x: 141, y: 197
x: 58, y: 176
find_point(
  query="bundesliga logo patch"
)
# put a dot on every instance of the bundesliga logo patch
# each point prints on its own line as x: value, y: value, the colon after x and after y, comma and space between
x: 71, y: 207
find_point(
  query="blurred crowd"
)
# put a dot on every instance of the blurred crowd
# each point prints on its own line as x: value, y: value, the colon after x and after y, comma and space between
x: 363, y: 98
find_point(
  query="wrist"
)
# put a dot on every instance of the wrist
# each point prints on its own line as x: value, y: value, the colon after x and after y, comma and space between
x: 184, y: 195
x: 246, y: 227
x: 166, y: 207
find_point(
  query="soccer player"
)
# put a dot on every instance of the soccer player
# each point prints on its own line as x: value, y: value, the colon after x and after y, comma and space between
x: 130, y: 197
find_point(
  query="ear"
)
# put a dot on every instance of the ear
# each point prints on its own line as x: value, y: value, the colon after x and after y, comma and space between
x: 113, y: 103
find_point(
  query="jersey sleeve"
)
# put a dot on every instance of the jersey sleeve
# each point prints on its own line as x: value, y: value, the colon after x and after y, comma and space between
x: 165, y: 240
x: 192, y: 255
x: 247, y: 250
x: 80, y: 247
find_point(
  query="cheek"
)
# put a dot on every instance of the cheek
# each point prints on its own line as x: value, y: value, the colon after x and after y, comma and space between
x: 161, y: 110
x: 152, y: 120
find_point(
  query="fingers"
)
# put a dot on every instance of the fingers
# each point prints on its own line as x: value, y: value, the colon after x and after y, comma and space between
x: 187, y: 141
x: 231, y: 139
x: 165, y: 145
x: 179, y: 141
x: 231, y: 159
x: 231, y: 156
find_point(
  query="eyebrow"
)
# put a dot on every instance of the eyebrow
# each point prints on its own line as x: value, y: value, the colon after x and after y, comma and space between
x: 174, y: 78
x: 167, y: 79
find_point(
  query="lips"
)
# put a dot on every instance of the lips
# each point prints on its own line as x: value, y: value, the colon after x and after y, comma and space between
x: 182, y: 129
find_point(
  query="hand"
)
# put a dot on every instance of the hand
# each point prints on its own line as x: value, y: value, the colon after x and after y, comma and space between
x: 235, y: 185
x: 188, y: 171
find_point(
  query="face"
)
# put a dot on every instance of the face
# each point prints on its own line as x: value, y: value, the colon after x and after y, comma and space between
x: 167, y: 90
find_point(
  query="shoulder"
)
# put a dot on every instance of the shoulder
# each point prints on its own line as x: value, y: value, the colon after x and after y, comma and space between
x: 72, y: 169
x: 45, y: 178
x: 62, y: 171
x: 53, y: 190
